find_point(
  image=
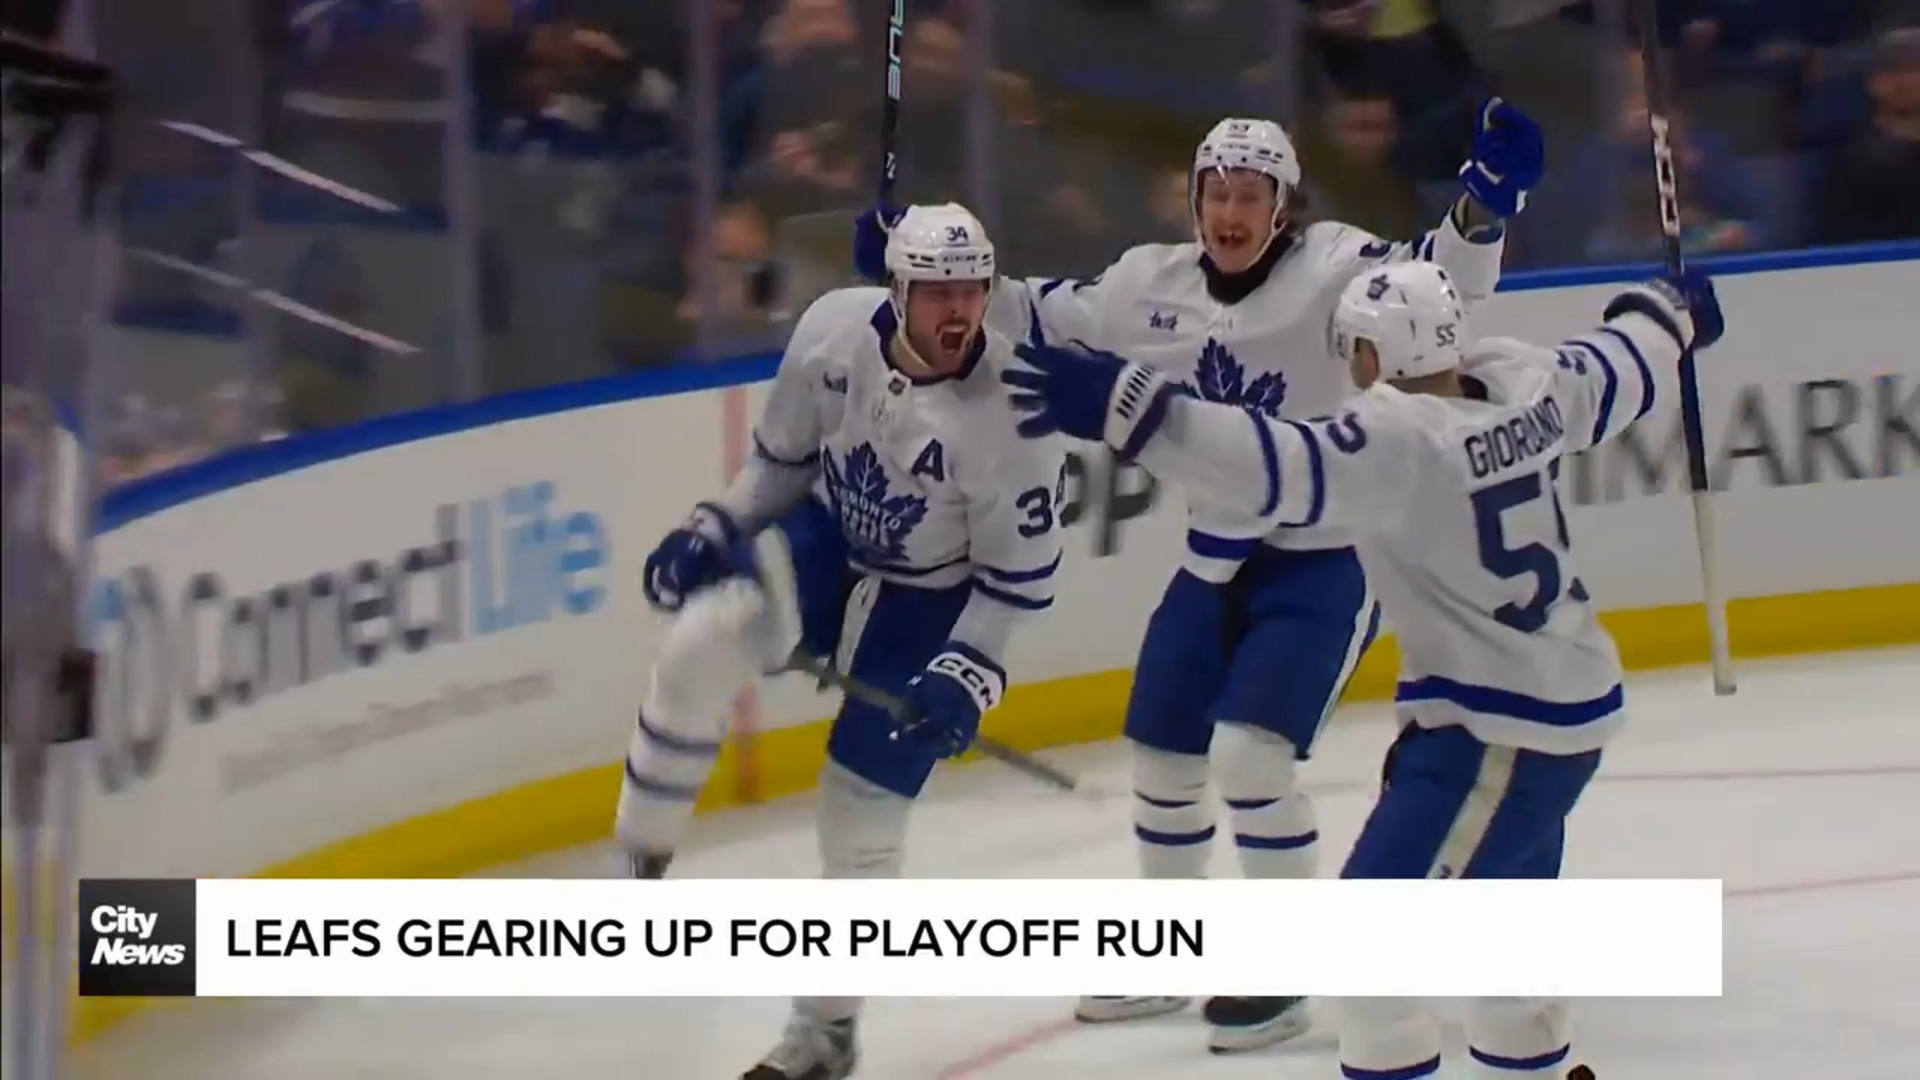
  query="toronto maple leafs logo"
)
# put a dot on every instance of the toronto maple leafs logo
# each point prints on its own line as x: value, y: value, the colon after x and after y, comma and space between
x: 1222, y: 378
x: 877, y: 523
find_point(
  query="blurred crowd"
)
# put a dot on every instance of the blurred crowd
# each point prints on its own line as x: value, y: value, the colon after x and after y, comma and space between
x: 591, y: 194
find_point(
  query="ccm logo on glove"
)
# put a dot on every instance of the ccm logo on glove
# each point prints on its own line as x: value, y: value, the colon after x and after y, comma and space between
x: 985, y: 685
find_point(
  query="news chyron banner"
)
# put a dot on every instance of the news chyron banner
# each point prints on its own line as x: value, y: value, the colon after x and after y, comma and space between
x: 729, y: 938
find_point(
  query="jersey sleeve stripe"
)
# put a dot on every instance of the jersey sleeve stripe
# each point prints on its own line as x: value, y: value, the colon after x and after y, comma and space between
x: 1639, y: 361
x: 1270, y: 457
x: 760, y: 451
x: 1494, y: 701
x: 1602, y: 416
x: 1208, y: 546
x: 1316, y: 476
x: 1018, y: 577
x: 1050, y: 285
x: 1013, y: 600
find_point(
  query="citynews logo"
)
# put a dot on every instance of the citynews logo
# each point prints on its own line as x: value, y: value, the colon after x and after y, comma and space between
x: 132, y: 947
x: 136, y: 938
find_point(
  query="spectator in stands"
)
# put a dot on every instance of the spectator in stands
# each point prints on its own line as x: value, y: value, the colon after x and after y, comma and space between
x: 818, y: 86
x: 1612, y: 175
x: 646, y: 327
x: 1356, y: 180
x: 1043, y: 214
x: 1872, y: 188
x: 1407, y: 50
x: 1745, y: 63
x: 1168, y: 205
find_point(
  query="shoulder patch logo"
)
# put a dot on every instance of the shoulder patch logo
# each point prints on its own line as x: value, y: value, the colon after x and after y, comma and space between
x: 1222, y: 378
x: 876, y: 521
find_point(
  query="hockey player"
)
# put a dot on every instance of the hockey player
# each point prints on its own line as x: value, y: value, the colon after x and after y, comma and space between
x: 1258, y: 633
x: 890, y: 519
x: 1446, y: 468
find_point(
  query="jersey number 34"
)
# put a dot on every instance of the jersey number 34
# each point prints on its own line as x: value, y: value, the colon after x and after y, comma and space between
x: 1535, y: 559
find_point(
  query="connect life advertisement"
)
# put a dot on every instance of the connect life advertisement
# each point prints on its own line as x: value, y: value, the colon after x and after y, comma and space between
x: 315, y: 655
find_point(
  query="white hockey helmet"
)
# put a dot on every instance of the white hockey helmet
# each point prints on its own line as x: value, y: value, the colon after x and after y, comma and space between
x: 938, y: 243
x: 1410, y: 312
x: 1260, y: 146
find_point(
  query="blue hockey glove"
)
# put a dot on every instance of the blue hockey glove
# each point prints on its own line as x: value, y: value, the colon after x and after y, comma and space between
x: 1686, y: 305
x: 948, y: 699
x: 693, y: 556
x: 1508, y: 159
x: 1089, y: 394
x: 870, y: 231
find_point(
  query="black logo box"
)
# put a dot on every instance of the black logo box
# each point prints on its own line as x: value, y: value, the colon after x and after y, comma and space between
x: 114, y: 960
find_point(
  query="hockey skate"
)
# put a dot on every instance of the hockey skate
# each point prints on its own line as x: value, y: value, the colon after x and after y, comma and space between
x: 648, y: 866
x: 1097, y: 1009
x: 810, y: 1050
x: 1250, y: 1023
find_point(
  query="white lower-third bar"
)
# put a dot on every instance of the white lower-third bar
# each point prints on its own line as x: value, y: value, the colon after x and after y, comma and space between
x: 729, y: 938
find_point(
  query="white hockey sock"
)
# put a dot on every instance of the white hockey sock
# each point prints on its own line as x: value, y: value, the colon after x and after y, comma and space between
x: 1172, y: 820
x: 666, y: 769
x: 709, y: 655
x: 1274, y: 831
x: 1388, y: 1039
x: 863, y: 833
x: 1519, y: 1038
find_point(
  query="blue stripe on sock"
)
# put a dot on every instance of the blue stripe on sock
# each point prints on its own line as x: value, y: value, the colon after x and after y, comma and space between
x: 674, y: 744
x: 660, y: 788
x: 1170, y: 839
x: 1529, y: 1064
x: 1410, y: 1072
x: 1275, y: 843
x: 1250, y: 804
x: 1164, y: 804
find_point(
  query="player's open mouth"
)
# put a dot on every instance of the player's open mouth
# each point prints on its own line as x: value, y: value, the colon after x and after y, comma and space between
x: 953, y: 338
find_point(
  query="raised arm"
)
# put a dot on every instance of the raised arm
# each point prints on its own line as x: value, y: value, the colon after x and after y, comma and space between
x: 1612, y: 375
x: 1507, y: 161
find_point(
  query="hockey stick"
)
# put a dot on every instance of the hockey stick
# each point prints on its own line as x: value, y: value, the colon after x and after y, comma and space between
x: 890, y: 105
x: 902, y: 713
x: 1713, y: 593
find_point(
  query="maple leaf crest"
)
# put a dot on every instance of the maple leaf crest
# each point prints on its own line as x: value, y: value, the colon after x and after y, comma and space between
x: 876, y: 521
x: 1220, y: 377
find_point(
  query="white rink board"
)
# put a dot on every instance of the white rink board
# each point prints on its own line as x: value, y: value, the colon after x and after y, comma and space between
x: 326, y: 760
x: 478, y: 714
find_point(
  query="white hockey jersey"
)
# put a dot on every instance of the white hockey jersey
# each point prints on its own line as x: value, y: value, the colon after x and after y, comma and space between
x: 1269, y: 352
x: 1461, y: 530
x: 931, y: 485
